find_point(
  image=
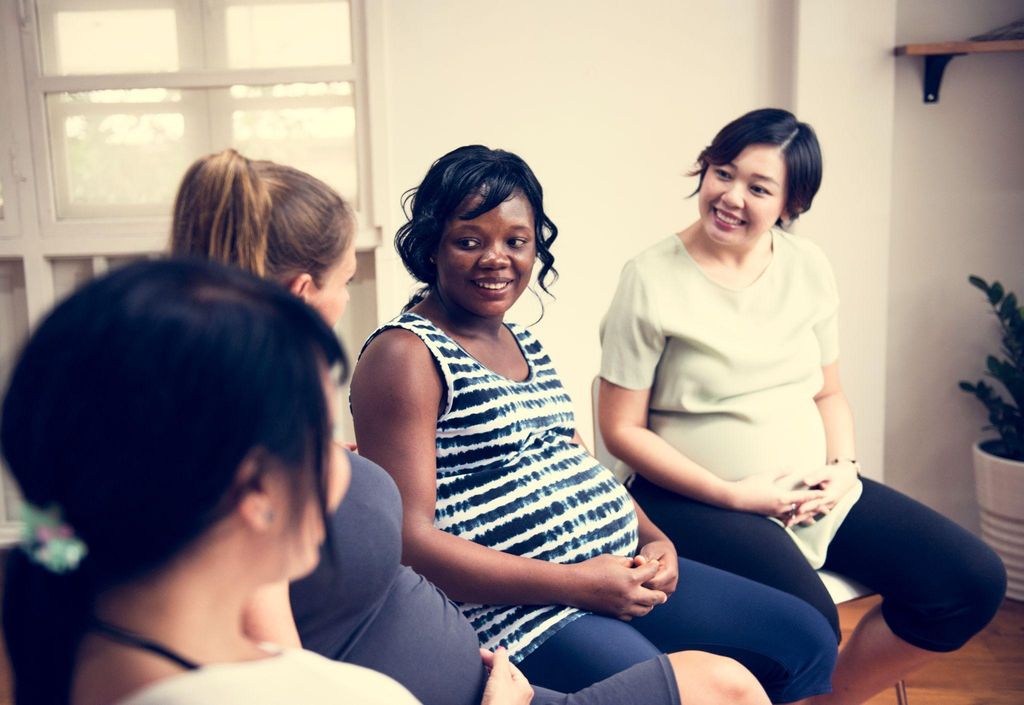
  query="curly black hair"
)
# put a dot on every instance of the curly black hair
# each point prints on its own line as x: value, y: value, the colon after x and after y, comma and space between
x: 473, y: 170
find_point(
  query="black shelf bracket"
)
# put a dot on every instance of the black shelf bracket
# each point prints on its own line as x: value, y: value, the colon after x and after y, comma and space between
x: 934, y: 67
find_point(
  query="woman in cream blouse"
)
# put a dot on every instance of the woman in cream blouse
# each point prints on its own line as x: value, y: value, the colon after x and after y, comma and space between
x: 721, y: 393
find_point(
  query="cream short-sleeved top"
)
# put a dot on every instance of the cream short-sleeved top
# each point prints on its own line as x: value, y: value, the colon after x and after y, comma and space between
x: 732, y: 373
x: 293, y: 676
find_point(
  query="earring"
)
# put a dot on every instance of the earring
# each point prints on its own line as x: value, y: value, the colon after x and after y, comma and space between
x: 268, y: 516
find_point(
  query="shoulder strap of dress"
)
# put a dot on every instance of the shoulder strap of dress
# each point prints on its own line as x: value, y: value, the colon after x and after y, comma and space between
x: 419, y: 326
x: 536, y: 357
x: 123, y: 636
x: 442, y: 348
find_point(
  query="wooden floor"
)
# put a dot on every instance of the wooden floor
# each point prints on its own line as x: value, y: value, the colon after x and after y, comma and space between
x: 988, y: 671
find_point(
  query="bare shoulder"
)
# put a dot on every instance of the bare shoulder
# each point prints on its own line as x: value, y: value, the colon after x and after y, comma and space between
x: 397, y: 366
x: 395, y: 354
x: 395, y: 397
x: 395, y: 345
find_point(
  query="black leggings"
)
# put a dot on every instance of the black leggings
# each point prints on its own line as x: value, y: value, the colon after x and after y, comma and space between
x: 781, y: 640
x: 940, y: 584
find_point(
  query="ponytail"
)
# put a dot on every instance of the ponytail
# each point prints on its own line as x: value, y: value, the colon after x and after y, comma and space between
x: 222, y: 212
x: 44, y: 617
x: 269, y: 219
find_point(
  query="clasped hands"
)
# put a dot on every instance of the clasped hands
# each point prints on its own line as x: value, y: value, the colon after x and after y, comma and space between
x: 625, y: 587
x: 815, y: 494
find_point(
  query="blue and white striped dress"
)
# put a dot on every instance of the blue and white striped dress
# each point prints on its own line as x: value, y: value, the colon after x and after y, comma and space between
x: 510, y: 478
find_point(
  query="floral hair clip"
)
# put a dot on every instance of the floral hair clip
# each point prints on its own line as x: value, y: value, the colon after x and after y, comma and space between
x: 49, y: 540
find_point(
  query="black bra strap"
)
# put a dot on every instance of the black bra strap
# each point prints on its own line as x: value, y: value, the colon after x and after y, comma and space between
x: 128, y: 638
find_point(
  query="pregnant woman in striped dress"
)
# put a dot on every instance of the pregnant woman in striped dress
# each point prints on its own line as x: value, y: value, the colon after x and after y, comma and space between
x: 503, y: 507
x: 359, y: 605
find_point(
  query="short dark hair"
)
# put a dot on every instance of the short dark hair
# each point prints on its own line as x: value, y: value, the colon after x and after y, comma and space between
x: 131, y: 408
x: 473, y: 170
x: 772, y: 126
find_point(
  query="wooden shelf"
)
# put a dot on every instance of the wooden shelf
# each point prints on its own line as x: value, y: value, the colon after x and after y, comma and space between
x: 959, y: 48
x: 938, y: 54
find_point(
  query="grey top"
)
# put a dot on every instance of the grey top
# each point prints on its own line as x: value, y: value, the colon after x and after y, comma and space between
x: 362, y: 606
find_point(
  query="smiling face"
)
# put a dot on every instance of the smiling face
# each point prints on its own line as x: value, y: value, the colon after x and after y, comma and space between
x: 485, y: 264
x: 742, y: 200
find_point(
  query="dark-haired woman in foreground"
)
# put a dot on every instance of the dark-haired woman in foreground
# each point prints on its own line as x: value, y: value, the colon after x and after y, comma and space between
x: 721, y: 392
x: 504, y: 509
x: 360, y: 605
x: 169, y: 428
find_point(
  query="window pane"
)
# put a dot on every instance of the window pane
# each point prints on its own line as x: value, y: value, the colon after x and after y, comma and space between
x: 308, y: 126
x: 274, y: 34
x: 121, y: 153
x: 140, y: 36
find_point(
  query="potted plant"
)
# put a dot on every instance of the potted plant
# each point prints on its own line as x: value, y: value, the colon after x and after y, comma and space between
x: 999, y: 462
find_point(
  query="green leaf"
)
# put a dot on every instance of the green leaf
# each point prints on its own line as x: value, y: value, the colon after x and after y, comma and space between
x: 995, y: 293
x: 1005, y: 415
x: 1009, y: 306
x: 993, y: 365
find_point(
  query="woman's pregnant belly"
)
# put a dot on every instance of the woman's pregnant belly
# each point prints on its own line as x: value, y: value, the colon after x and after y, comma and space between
x: 420, y: 639
x: 736, y: 445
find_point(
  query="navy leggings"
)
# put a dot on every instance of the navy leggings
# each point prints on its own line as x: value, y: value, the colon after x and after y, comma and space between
x: 939, y: 583
x: 785, y: 643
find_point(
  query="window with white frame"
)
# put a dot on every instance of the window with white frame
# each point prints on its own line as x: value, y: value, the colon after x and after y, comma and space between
x: 131, y: 91
x: 106, y: 103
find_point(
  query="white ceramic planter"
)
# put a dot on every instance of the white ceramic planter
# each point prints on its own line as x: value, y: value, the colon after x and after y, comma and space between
x: 1000, y: 486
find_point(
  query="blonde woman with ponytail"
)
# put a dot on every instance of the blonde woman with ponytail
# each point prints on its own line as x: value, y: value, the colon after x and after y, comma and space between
x: 272, y: 220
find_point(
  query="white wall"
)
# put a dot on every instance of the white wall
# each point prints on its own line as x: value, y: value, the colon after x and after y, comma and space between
x: 844, y: 73
x: 610, y: 104
x: 957, y: 209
